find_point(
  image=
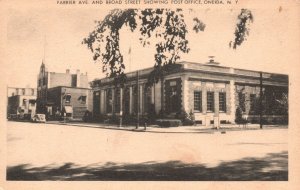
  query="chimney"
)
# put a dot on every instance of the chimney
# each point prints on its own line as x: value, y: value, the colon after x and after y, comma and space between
x: 77, y: 78
x: 68, y: 71
x: 212, y: 61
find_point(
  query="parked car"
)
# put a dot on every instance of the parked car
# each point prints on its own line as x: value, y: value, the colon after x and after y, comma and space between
x: 39, y: 118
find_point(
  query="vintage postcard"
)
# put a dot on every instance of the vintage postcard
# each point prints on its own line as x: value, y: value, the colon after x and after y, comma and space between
x: 163, y: 94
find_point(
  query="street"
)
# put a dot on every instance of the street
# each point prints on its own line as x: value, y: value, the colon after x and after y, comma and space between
x: 61, y: 152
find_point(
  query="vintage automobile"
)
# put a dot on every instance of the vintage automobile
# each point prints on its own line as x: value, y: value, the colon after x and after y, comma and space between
x: 39, y: 118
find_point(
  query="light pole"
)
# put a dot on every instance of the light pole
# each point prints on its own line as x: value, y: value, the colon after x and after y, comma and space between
x: 121, y: 105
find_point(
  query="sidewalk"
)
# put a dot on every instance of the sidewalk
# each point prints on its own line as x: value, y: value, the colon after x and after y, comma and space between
x: 181, y: 129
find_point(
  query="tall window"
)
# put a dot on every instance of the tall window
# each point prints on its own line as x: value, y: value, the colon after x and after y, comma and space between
x: 210, y: 102
x: 117, y: 100
x: 68, y: 98
x: 242, y: 101
x: 252, y: 102
x: 32, y: 102
x: 173, y: 99
x: 24, y: 102
x: 96, y: 102
x: 198, y: 101
x: 126, y: 99
x: 148, y: 96
x: 82, y: 99
x: 135, y: 99
x: 109, y: 101
x: 222, y: 101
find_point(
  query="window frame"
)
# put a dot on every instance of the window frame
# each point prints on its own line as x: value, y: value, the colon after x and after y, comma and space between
x: 109, y: 101
x: 117, y: 100
x: 222, y: 103
x: 253, y: 102
x: 68, y: 100
x: 83, y: 99
x: 199, y: 101
x: 212, y: 104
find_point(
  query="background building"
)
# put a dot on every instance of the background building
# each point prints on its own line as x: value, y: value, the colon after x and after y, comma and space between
x: 211, y: 92
x: 21, y: 101
x: 63, y: 94
x: 69, y: 101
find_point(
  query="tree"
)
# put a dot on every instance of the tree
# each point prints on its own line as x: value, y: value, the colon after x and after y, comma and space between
x: 168, y: 26
x: 241, y: 32
x: 238, y: 115
x: 242, y: 28
x: 283, y: 103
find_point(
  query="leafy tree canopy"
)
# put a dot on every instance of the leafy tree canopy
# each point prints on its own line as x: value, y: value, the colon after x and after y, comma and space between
x: 242, y: 29
x: 166, y: 25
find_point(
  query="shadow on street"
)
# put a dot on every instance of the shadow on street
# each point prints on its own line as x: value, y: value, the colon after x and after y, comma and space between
x: 272, y: 167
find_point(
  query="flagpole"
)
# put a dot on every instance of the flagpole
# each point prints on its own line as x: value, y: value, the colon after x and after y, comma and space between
x: 138, y: 100
x: 129, y: 52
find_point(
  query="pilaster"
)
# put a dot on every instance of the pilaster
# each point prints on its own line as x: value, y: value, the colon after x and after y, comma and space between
x: 184, y: 94
x: 204, y: 97
x: 157, y: 98
x: 141, y: 99
x: 121, y: 101
x: 130, y: 100
x: 232, y: 100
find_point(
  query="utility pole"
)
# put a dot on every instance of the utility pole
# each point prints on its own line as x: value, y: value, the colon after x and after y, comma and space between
x: 260, y: 100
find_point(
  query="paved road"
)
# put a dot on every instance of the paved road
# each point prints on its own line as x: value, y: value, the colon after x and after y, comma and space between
x: 60, y: 152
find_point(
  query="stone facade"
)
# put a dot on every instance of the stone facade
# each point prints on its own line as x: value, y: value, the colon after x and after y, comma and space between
x: 209, y: 91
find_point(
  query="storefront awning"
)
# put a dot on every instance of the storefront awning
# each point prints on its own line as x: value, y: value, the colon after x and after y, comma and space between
x: 68, y: 109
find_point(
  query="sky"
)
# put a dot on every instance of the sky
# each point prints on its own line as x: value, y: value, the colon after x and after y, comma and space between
x: 55, y: 35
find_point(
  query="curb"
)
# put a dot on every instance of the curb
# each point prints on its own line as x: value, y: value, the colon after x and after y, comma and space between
x: 133, y: 130
x: 150, y: 129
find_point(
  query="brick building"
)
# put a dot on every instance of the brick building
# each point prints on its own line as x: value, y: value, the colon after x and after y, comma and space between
x: 72, y: 101
x: 21, y: 101
x: 210, y: 91
x: 63, y: 94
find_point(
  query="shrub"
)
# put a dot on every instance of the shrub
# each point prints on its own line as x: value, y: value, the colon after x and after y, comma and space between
x: 144, y: 119
x: 186, y: 119
x: 129, y: 119
x: 114, y: 119
x: 239, y: 116
x: 161, y: 114
x: 168, y: 122
x: 151, y: 113
x: 99, y: 118
x: 225, y: 122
